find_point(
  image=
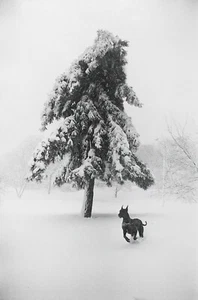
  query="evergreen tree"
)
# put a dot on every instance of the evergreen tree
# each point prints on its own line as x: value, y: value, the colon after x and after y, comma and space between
x: 88, y: 133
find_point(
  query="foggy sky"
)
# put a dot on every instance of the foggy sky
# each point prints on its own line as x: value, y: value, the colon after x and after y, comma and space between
x: 39, y: 40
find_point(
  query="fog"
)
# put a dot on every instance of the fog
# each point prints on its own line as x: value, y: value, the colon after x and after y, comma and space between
x: 41, y: 38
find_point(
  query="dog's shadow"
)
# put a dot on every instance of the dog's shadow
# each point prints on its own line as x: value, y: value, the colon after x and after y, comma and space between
x: 132, y: 244
x: 138, y: 241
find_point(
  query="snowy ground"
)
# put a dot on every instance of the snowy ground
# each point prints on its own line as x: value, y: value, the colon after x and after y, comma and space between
x: 48, y: 252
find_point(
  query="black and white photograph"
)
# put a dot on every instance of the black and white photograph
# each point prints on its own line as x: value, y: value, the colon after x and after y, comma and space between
x: 99, y: 150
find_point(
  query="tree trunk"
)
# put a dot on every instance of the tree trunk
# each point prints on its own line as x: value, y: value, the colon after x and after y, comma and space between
x: 49, y: 184
x: 17, y: 192
x: 117, y: 189
x: 88, y: 198
x: 116, y: 192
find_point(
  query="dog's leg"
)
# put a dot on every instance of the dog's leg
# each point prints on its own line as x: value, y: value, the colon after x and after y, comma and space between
x: 135, y: 236
x: 125, y: 237
x: 141, y: 231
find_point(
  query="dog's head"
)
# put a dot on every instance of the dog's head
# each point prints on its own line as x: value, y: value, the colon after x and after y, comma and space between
x: 123, y: 212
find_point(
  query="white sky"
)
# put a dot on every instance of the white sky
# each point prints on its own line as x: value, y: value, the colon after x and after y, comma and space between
x: 40, y: 38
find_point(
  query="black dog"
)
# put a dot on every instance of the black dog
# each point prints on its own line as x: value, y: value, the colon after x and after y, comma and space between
x: 131, y: 226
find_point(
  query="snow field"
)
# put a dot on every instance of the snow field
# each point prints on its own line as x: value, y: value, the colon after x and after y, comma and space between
x: 48, y: 252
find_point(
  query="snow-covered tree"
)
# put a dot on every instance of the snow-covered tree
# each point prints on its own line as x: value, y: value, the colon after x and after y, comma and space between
x: 88, y: 133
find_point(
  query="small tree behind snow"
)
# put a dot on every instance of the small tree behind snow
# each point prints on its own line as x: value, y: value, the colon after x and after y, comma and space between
x: 14, y: 165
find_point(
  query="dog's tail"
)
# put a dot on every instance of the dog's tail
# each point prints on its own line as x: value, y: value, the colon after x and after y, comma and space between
x: 144, y: 224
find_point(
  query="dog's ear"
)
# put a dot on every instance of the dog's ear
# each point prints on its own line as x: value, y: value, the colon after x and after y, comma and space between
x: 127, y: 207
x: 122, y: 207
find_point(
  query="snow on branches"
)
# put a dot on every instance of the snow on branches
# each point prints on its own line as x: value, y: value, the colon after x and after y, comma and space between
x: 119, y: 153
x: 103, y: 63
x: 57, y: 142
x: 121, y: 119
x: 127, y: 93
x: 123, y: 164
x: 92, y: 167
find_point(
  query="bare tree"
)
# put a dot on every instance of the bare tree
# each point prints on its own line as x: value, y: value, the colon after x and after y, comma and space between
x: 180, y: 166
x: 185, y: 144
x: 174, y: 163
